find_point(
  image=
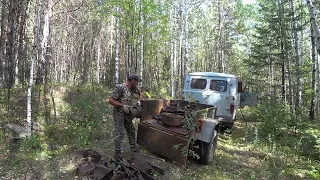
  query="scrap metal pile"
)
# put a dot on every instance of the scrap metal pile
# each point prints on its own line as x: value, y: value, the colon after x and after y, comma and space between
x: 134, y: 167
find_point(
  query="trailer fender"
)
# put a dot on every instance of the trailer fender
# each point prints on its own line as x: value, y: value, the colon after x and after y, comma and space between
x: 208, y: 127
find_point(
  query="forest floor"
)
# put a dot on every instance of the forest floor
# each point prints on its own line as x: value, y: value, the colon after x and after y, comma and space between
x: 54, y: 153
x: 234, y: 159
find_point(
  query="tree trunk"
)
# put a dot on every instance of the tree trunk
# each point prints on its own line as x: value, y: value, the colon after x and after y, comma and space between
x: 298, y: 60
x: 313, y: 80
x: 181, y: 45
x: 45, y: 54
x: 3, y: 40
x: 141, y: 48
x: 117, y: 47
x: 171, y: 54
x: 99, y: 56
x: 282, y: 46
x: 33, y: 58
x: 22, y: 44
x: 291, y: 94
x: 314, y: 24
x: 10, y: 48
x: 219, y: 42
x: 186, y: 42
x: 318, y: 84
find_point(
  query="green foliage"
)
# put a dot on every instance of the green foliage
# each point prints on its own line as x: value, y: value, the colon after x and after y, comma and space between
x: 185, y: 151
x: 33, y: 142
x: 87, y: 105
x: 277, y: 128
x: 83, y: 120
x: 189, y: 121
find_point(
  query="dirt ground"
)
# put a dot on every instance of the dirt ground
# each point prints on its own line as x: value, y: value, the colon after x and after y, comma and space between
x: 234, y: 159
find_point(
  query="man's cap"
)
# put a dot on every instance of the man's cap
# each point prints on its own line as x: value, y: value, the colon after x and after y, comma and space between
x: 135, y: 77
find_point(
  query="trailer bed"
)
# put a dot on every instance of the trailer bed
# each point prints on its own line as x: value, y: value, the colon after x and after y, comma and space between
x: 170, y: 142
x: 177, y: 131
x: 161, y: 140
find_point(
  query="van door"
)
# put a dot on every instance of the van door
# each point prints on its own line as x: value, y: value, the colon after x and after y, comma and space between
x: 220, y: 96
x: 195, y: 87
x: 248, y: 99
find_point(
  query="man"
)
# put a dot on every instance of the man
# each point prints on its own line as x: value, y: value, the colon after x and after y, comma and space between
x: 122, y: 100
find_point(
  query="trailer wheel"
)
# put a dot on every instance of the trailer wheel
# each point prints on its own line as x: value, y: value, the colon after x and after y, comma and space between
x: 208, y: 149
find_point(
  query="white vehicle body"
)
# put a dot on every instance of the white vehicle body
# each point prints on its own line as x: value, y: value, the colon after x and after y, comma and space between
x: 217, y: 89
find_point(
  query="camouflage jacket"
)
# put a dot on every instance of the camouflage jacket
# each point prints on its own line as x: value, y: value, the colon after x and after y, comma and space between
x: 124, y: 95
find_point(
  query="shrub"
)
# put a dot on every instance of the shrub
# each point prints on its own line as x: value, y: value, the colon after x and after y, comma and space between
x: 278, y: 128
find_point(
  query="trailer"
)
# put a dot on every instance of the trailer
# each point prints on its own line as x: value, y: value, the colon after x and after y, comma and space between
x: 174, y: 128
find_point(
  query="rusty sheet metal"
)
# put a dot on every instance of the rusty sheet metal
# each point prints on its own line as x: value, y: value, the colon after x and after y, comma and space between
x: 146, y: 176
x: 119, y: 176
x: 133, y: 167
x: 151, y: 108
x: 162, y: 142
x: 178, y: 131
x: 86, y: 168
x: 128, y: 171
x: 101, y: 172
x: 142, y: 165
x: 156, y: 168
x: 140, y: 177
x: 171, y: 119
x: 173, y: 110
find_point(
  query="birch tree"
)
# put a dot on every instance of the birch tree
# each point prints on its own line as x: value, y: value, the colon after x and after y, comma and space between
x: 117, y: 46
x: 314, y: 24
x: 141, y: 44
x: 45, y: 54
x: 33, y: 58
x: 313, y: 77
x: 172, y: 51
x: 298, y: 60
x: 315, y: 41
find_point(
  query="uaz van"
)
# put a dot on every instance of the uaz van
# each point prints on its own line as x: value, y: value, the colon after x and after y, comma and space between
x: 217, y: 89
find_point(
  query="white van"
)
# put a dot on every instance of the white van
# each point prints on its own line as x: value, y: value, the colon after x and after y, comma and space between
x: 217, y: 89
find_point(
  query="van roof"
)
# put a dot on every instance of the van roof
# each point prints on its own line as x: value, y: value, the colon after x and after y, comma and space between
x: 211, y: 74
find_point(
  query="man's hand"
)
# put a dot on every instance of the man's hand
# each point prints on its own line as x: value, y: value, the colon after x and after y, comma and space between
x: 126, y: 109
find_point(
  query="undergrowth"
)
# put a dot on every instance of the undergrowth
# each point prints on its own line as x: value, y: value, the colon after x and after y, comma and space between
x: 281, y: 145
x: 275, y: 130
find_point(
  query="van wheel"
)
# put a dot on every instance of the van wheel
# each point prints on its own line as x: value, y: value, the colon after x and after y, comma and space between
x: 208, y: 149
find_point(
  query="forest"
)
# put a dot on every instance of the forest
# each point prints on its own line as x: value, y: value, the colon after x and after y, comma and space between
x: 60, y: 61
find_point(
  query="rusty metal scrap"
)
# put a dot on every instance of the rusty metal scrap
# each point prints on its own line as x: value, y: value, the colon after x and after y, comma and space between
x: 174, y: 110
x: 133, y: 168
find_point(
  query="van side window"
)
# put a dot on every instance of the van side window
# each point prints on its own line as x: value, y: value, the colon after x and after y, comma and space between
x: 198, y: 83
x: 218, y: 85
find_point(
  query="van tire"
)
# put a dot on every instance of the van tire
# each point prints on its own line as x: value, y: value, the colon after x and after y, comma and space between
x: 208, y: 149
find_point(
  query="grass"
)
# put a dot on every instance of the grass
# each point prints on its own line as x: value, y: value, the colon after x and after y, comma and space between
x: 237, y: 159
x: 85, y: 122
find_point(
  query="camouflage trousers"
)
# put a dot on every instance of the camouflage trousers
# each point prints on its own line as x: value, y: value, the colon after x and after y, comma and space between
x: 122, y: 123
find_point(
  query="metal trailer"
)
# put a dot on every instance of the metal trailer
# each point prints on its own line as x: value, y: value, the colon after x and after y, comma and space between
x: 174, y: 142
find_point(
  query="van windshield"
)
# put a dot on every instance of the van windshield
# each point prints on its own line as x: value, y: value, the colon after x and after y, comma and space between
x: 218, y: 85
x: 198, y: 83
